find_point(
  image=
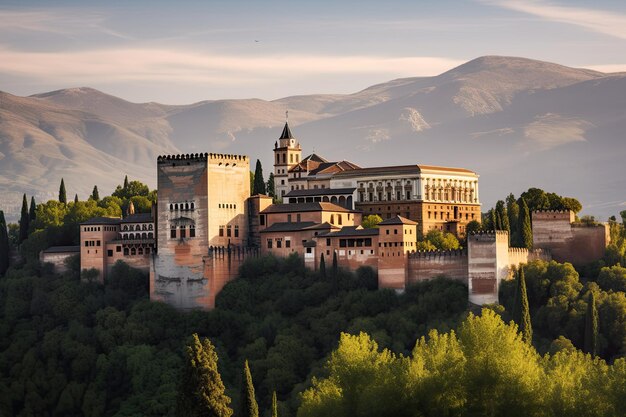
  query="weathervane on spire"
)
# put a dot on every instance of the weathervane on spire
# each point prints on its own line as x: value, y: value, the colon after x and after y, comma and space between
x: 286, y: 115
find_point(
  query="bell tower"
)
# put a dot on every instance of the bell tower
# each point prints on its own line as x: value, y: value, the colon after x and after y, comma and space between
x: 287, y: 154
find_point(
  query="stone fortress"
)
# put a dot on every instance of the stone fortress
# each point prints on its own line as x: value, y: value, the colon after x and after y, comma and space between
x: 206, y: 224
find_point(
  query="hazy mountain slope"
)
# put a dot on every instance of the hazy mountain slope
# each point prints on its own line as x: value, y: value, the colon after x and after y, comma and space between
x: 517, y: 122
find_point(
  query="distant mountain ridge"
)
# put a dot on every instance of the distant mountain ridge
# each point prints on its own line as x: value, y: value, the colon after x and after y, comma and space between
x: 517, y: 122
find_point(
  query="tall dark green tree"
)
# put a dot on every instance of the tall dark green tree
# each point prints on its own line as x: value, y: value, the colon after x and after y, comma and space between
x: 201, y: 390
x: 591, y: 326
x: 322, y: 267
x: 259, y: 182
x: 503, y: 216
x: 521, y: 308
x: 525, y: 231
x: 125, y: 182
x: 95, y: 195
x: 4, y: 245
x: 32, y: 212
x: 512, y: 209
x: 274, y: 405
x: 75, y: 198
x: 249, y: 406
x: 335, y: 263
x: 24, y: 221
x: 62, y: 193
x: 271, y: 186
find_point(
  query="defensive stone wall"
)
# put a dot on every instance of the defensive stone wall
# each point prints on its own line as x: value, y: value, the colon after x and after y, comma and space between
x: 523, y: 256
x: 567, y: 241
x: 488, y: 264
x: 424, y: 265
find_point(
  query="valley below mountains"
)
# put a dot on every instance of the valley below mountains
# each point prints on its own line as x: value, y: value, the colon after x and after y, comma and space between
x: 517, y: 122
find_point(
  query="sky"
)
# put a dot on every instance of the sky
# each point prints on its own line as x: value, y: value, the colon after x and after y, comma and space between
x: 187, y: 51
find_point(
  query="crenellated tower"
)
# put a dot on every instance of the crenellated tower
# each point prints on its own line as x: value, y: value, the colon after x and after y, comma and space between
x: 287, y: 154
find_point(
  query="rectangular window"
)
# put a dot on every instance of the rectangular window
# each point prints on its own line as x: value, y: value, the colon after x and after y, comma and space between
x: 118, y: 249
x: 287, y: 243
x: 343, y: 243
x: 228, y: 230
x: 236, y: 230
x: 110, y: 252
x: 289, y: 218
x: 97, y: 243
x: 408, y: 195
x: 368, y: 241
x: 327, y: 242
x: 86, y: 243
x: 269, y: 243
x: 398, y: 195
x: 298, y: 218
x: 221, y: 231
x: 173, y: 233
x: 192, y: 232
x: 279, y: 243
x: 262, y: 219
x: 183, y: 232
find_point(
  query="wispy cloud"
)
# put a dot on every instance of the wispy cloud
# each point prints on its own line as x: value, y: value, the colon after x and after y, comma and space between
x: 60, y: 22
x: 147, y: 64
x: 600, y: 21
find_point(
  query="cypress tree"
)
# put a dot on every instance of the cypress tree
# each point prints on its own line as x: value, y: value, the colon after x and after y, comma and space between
x: 249, y: 406
x: 274, y: 405
x: 62, y: 193
x: 334, y: 263
x: 24, y: 221
x: 322, y: 267
x: 201, y: 391
x: 4, y: 245
x: 512, y: 209
x: 125, y: 182
x: 95, y: 195
x: 75, y: 198
x: 271, y: 186
x: 503, y: 216
x: 259, y: 183
x: 32, y: 212
x: 524, y: 228
x: 494, y: 219
x: 591, y: 326
x: 521, y: 308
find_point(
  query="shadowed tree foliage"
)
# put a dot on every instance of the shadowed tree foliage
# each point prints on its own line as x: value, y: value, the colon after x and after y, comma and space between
x: 259, y: 182
x: 591, y: 326
x: 371, y: 221
x: 62, y: 193
x: 95, y: 195
x: 521, y: 309
x: 4, y: 245
x: 249, y: 406
x: 201, y: 391
x: 524, y: 228
x: 322, y: 267
x: 335, y: 266
x: 24, y: 220
x: 473, y: 227
x: 271, y: 186
x: 32, y: 214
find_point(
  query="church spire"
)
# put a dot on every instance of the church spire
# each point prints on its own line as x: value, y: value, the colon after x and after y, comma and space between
x: 286, y: 132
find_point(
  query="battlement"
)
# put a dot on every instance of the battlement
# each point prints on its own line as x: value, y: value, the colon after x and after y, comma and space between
x: 201, y: 157
x: 554, y: 215
x: 489, y: 236
x: 426, y: 254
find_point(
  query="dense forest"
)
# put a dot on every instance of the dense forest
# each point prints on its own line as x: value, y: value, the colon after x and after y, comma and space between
x: 326, y: 344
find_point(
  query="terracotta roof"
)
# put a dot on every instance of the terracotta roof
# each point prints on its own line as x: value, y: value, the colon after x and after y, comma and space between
x: 301, y: 207
x: 138, y: 218
x: 103, y: 220
x: 401, y: 169
x: 396, y: 220
x: 62, y: 249
x: 352, y: 231
x: 296, y: 227
x: 319, y: 191
x: 286, y: 132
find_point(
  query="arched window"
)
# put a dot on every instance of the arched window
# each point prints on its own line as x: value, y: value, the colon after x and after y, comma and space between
x: 144, y: 235
x: 192, y: 206
x: 150, y: 235
x: 339, y: 218
x: 150, y: 227
x: 192, y: 231
x: 176, y: 206
x: 186, y: 206
x: 171, y: 207
x: 133, y: 251
x: 125, y: 251
x: 332, y: 219
x: 125, y: 227
x: 140, y: 251
x: 131, y: 228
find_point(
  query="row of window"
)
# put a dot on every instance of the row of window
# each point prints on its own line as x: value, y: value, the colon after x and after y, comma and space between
x: 229, y: 230
x: 131, y: 251
x: 133, y: 227
x: 395, y: 244
x: 143, y: 235
x: 227, y: 206
x: 447, y: 216
x: 182, y: 206
x: 379, y: 196
x: 89, y: 243
x: 291, y: 158
x: 279, y: 243
x: 351, y: 243
x: 98, y: 229
x: 380, y: 184
x: 182, y: 232
x: 395, y: 231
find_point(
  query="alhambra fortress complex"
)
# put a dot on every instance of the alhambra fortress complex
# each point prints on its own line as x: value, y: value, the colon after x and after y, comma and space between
x: 206, y: 224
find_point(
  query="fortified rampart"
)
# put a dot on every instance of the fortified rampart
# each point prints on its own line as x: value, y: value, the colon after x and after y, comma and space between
x: 577, y: 243
x: 424, y: 265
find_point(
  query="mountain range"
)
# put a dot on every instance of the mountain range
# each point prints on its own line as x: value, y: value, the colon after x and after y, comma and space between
x: 517, y: 122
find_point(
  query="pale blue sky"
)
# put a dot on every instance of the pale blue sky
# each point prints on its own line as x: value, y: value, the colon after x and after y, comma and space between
x: 182, y: 52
